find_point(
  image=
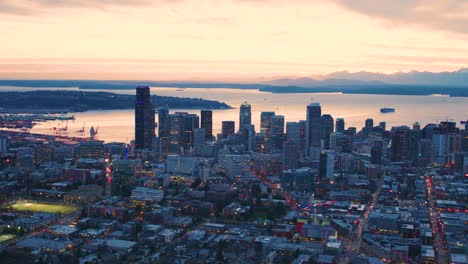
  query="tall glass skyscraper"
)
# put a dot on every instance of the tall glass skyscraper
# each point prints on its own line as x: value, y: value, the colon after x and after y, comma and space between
x: 313, y: 131
x: 207, y: 123
x: 265, y: 127
x: 340, y: 125
x: 144, y: 119
x: 245, y: 115
x: 327, y: 128
x: 164, y: 129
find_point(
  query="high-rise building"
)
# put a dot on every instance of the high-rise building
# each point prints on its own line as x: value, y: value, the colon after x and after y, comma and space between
x: 290, y: 155
x: 313, y: 131
x: 164, y: 129
x: 327, y: 129
x: 144, y: 119
x: 327, y: 165
x: 447, y: 141
x: 245, y: 115
x: 399, y: 143
x: 191, y: 121
x: 377, y: 152
x: 417, y: 126
x: 265, y: 121
x: 277, y: 131
x: 340, y: 125
x: 293, y: 132
x: 369, y: 125
x: 176, y: 136
x: 265, y: 127
x: 199, y: 137
x: 383, y: 125
x: 228, y: 128
x: 207, y: 123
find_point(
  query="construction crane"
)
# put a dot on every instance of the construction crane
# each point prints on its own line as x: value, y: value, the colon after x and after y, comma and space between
x: 82, y: 130
x: 64, y: 130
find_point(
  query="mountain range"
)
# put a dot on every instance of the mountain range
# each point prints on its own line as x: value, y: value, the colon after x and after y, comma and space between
x: 457, y: 78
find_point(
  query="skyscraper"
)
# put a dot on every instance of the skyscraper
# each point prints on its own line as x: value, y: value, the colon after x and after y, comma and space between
x: 265, y: 127
x: 277, y: 131
x: 400, y: 143
x: 290, y: 155
x: 265, y: 121
x: 327, y: 128
x: 176, y: 135
x: 164, y: 129
x: 207, y: 123
x: 144, y: 119
x: 245, y: 115
x: 369, y: 125
x: 327, y: 165
x: 313, y: 131
x: 340, y: 125
x: 383, y: 125
x: 191, y: 121
x: 293, y: 132
x: 228, y: 128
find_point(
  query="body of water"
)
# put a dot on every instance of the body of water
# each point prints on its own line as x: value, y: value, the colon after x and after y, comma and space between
x: 118, y: 125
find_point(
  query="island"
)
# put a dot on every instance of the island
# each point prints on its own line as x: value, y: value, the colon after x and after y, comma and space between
x: 80, y: 101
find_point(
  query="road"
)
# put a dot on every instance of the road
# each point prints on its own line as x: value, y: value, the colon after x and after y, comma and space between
x: 352, y: 244
x: 442, y: 254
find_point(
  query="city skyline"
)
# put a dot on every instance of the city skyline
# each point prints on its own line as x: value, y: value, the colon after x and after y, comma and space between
x: 228, y: 40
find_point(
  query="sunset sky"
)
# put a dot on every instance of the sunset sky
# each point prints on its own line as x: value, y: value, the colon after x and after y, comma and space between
x: 228, y: 40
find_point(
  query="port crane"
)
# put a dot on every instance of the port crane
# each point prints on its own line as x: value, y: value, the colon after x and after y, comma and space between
x: 82, y: 130
x: 63, y: 131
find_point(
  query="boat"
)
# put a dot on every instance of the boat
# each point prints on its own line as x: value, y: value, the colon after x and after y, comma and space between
x: 180, y: 89
x: 387, y: 110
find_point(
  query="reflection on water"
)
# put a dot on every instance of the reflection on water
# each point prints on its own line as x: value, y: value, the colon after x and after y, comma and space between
x: 118, y: 125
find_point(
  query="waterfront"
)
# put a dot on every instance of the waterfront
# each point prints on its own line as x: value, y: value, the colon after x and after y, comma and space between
x: 118, y: 125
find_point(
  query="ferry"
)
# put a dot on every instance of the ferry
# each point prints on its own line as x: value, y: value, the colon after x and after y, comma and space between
x: 387, y: 110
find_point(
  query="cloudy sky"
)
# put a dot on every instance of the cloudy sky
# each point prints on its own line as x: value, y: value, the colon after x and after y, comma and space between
x: 225, y: 40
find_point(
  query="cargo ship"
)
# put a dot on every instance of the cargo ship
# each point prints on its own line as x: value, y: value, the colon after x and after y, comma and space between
x: 387, y: 110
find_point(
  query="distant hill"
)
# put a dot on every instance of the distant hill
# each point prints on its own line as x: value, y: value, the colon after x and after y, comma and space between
x: 456, y: 78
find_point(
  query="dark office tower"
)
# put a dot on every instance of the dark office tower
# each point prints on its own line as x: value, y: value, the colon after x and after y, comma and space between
x: 247, y: 136
x: 369, y: 124
x: 163, y: 121
x: 400, y: 143
x: 293, y: 132
x: 340, y: 126
x: 376, y: 152
x: 245, y: 115
x: 327, y: 128
x: 327, y: 165
x: 265, y: 121
x: 176, y: 136
x: 228, y: 128
x: 144, y: 119
x: 303, y: 127
x: 464, y: 144
x: 416, y: 126
x: 313, y: 131
x: 164, y: 129
x: 191, y: 122
x: 290, y: 155
x: 277, y: 131
x: 265, y: 125
x: 207, y: 123
x: 383, y: 125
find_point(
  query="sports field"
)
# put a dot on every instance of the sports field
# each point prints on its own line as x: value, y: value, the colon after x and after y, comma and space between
x: 42, y: 207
